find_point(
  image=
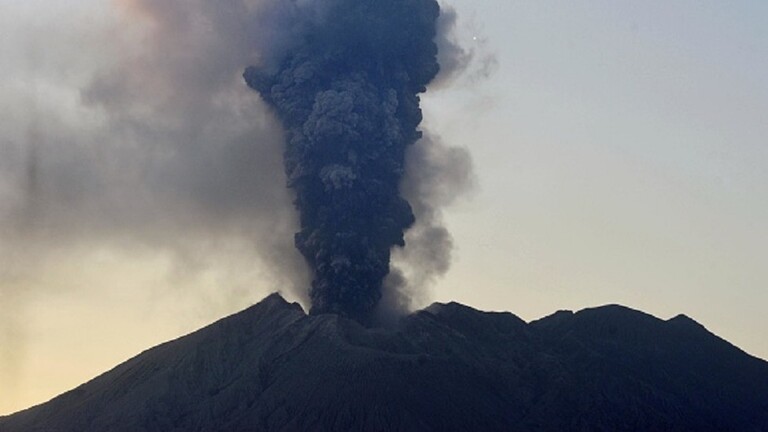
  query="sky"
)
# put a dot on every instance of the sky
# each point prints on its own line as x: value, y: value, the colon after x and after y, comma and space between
x: 617, y: 150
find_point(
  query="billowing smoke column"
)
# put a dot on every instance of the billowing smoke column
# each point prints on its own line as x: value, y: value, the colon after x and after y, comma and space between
x: 346, y: 88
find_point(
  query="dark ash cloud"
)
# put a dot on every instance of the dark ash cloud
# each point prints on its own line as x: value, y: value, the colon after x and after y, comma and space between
x: 346, y: 88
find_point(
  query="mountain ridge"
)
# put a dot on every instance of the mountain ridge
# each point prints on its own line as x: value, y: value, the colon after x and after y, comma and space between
x: 447, y: 367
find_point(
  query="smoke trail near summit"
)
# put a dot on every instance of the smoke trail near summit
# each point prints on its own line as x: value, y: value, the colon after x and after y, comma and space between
x: 346, y: 87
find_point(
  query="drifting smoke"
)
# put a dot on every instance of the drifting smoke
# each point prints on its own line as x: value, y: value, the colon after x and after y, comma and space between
x: 346, y: 89
x: 135, y: 162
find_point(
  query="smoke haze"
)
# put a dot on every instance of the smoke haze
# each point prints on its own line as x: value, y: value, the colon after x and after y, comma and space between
x: 135, y: 138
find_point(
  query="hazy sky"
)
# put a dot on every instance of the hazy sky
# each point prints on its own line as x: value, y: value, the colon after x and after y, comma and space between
x: 619, y: 157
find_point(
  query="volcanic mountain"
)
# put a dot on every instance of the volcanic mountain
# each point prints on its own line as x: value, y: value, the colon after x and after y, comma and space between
x: 271, y: 367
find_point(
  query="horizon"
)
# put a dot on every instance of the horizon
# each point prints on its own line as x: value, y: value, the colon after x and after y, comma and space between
x: 411, y: 313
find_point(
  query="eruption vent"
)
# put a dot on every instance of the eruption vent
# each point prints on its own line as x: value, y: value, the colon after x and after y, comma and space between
x: 346, y: 88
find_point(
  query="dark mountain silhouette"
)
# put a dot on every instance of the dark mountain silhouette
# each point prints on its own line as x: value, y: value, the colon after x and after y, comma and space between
x: 449, y: 367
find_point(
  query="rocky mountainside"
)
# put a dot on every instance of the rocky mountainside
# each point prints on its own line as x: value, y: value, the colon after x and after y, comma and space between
x: 449, y: 367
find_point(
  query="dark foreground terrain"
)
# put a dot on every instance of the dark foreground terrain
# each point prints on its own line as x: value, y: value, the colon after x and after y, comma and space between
x: 449, y: 367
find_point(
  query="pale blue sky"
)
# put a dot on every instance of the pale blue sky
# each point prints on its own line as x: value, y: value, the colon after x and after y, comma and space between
x: 619, y: 152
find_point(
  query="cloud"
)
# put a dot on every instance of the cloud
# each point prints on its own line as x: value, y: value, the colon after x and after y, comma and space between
x: 463, y: 52
x: 437, y: 176
x: 154, y: 140
x: 138, y: 135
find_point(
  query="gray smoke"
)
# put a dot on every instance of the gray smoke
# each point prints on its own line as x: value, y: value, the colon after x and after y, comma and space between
x: 159, y: 146
x: 440, y: 175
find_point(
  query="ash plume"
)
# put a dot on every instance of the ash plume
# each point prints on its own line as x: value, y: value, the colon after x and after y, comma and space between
x: 134, y: 140
x: 137, y: 136
x: 346, y: 89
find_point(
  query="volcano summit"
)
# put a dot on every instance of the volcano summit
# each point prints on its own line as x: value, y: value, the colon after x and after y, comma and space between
x: 448, y: 367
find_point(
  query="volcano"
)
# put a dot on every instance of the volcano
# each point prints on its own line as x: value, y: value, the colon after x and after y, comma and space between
x: 272, y: 367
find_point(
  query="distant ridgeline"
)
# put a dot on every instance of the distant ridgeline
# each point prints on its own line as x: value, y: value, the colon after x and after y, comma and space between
x: 449, y: 367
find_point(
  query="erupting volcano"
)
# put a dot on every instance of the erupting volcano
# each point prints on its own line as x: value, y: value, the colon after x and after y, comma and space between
x: 347, y: 92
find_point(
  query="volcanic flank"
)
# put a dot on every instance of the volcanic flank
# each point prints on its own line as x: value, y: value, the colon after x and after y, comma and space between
x: 346, y: 90
x: 449, y: 367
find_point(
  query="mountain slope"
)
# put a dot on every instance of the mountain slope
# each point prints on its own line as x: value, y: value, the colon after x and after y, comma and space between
x: 449, y: 367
